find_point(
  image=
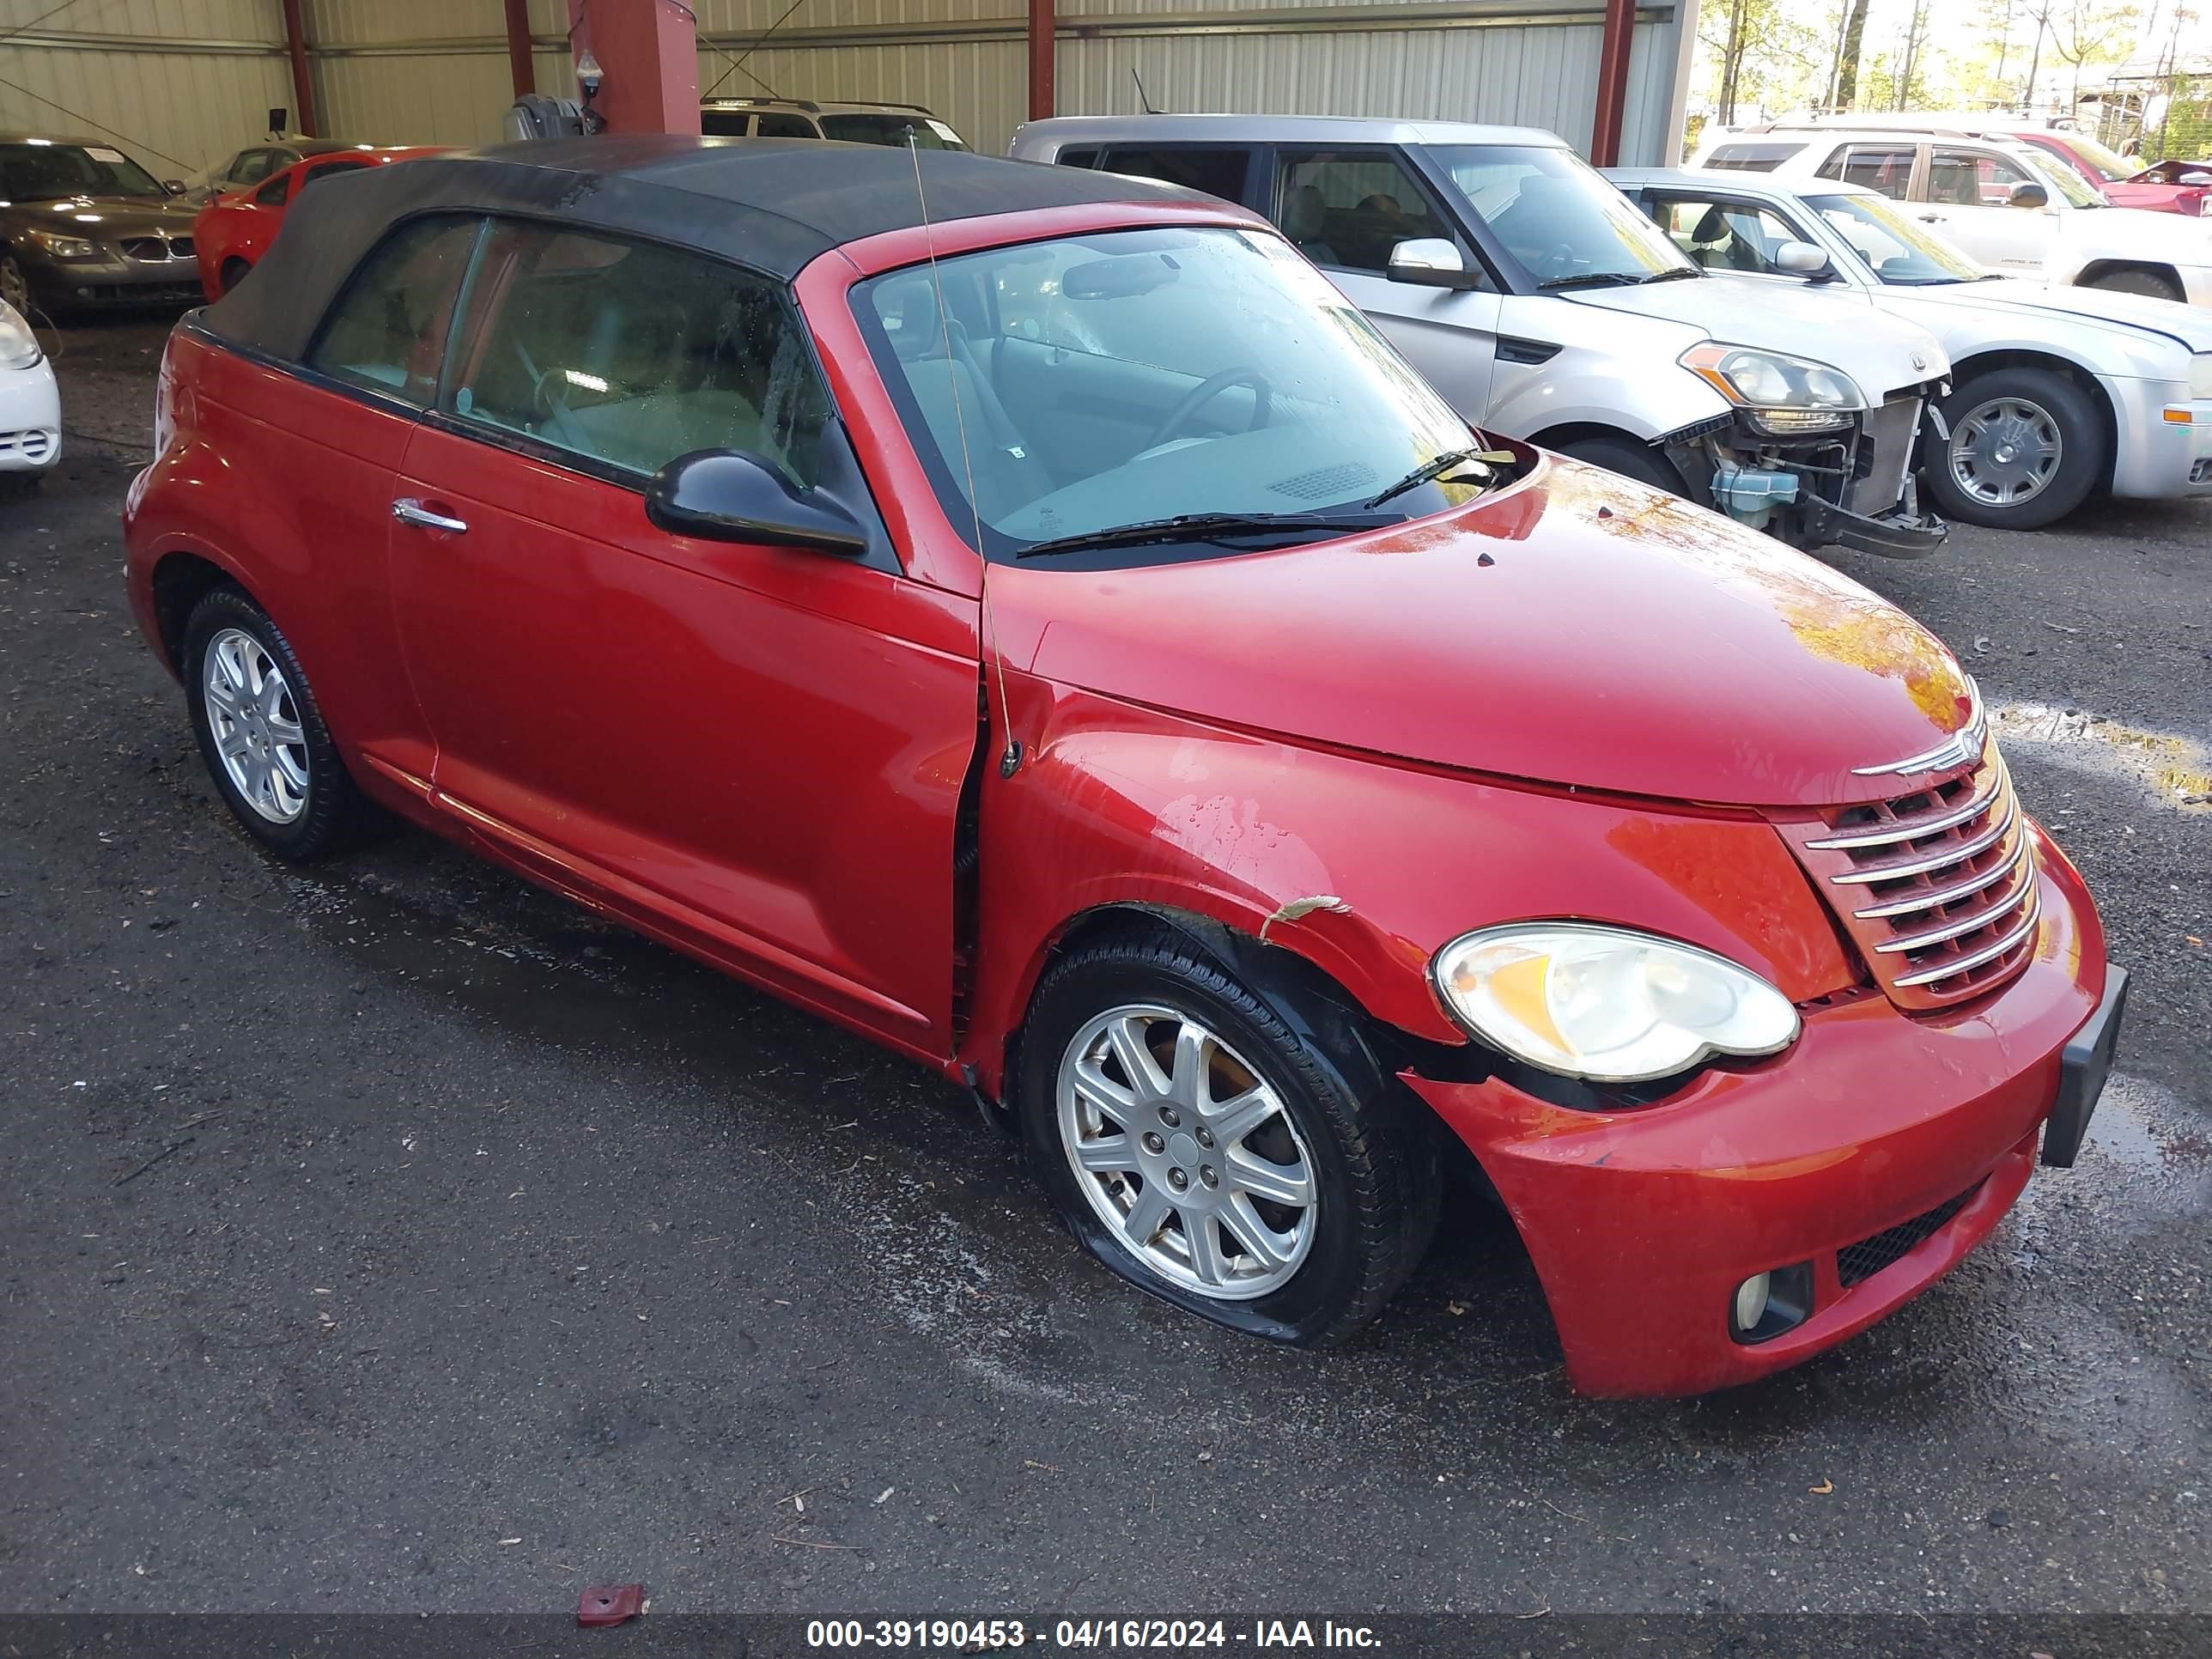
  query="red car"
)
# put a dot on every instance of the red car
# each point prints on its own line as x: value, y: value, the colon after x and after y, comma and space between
x: 2123, y: 184
x: 1035, y: 621
x: 233, y: 232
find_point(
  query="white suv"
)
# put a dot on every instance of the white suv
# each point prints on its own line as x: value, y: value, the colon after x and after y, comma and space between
x: 2009, y: 205
x: 1544, y: 306
x: 894, y: 125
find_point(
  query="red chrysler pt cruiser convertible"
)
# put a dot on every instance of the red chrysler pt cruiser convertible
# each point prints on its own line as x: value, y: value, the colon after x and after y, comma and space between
x: 1027, y: 615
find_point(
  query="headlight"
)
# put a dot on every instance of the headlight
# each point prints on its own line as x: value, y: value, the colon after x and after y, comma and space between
x: 65, y: 247
x: 2200, y: 369
x: 19, y: 347
x: 1785, y: 394
x: 1605, y: 1004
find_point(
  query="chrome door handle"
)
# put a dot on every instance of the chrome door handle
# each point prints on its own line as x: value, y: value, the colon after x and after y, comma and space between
x: 409, y: 511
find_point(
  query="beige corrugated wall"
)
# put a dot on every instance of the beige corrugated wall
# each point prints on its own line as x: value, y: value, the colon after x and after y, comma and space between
x: 186, y: 81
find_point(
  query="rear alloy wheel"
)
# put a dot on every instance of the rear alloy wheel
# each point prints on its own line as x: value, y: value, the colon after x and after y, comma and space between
x: 259, y: 731
x: 2025, y: 448
x: 2149, y: 283
x: 1206, y: 1150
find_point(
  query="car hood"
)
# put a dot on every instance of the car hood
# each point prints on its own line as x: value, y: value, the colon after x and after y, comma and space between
x: 2188, y: 326
x: 1881, y: 353
x: 1575, y: 630
x: 119, y: 216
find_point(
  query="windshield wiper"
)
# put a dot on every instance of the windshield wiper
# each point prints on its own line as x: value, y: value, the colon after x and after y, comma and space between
x: 1591, y: 279
x: 1673, y: 273
x: 1436, y: 468
x: 1207, y: 527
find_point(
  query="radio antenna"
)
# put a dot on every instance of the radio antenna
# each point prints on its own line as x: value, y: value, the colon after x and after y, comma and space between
x: 1144, y: 102
x: 1010, y: 757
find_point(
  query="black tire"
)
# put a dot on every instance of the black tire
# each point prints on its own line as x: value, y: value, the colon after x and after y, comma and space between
x: 1375, y: 1180
x: 232, y: 272
x: 2083, y: 454
x: 14, y: 486
x: 15, y: 286
x: 332, y: 810
x: 1629, y: 459
x: 2150, y: 283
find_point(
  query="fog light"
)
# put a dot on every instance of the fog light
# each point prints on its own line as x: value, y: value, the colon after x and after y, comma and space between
x: 1766, y: 1304
x: 1751, y: 1302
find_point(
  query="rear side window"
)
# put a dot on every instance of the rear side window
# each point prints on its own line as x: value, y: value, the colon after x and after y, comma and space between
x: 1885, y: 167
x: 723, y: 122
x: 329, y: 170
x: 775, y: 124
x: 1349, y: 208
x: 1217, y: 172
x: 1083, y: 156
x: 387, y: 332
x: 1751, y: 158
x: 628, y: 355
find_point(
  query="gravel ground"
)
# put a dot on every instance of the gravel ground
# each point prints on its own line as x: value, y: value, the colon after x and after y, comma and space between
x: 393, y: 1236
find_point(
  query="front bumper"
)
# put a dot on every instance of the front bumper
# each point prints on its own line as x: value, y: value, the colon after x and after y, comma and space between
x: 30, y: 419
x: 1898, y: 534
x: 2162, y: 438
x: 1875, y: 1127
x: 116, y: 280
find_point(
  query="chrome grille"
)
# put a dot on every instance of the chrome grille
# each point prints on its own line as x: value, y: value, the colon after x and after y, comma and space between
x: 157, y: 249
x: 1886, y: 452
x: 1938, y: 887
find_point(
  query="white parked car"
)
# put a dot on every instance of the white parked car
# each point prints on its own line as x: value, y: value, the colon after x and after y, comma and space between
x: 2056, y: 392
x: 2013, y: 208
x: 1543, y: 306
x: 30, y: 406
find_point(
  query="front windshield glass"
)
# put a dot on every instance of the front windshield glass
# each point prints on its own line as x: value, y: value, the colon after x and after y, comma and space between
x: 2108, y: 163
x: 38, y: 173
x: 2070, y: 186
x: 1895, y: 248
x: 1558, y: 216
x: 1099, y: 381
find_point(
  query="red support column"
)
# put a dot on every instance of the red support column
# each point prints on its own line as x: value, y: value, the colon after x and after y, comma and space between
x: 519, y: 64
x: 649, y: 50
x: 1612, y: 82
x: 1042, y: 21
x: 303, y: 82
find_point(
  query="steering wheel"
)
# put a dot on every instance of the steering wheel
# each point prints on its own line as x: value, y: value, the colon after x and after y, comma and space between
x: 1204, y: 393
x: 543, y: 392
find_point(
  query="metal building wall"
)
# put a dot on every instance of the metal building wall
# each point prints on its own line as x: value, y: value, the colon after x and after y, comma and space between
x: 185, y: 81
x: 178, y: 83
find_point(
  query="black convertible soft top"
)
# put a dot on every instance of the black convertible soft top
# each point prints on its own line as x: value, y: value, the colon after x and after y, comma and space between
x: 774, y: 205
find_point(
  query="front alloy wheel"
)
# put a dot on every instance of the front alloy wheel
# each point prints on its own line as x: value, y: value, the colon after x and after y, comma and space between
x: 2006, y: 452
x: 1244, y: 1157
x: 1185, y: 1152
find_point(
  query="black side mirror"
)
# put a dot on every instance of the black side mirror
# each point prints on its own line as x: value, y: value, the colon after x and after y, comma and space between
x: 2027, y: 194
x: 730, y: 496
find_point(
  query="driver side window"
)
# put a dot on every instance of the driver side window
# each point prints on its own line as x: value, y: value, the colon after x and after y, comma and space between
x: 628, y: 355
x: 1350, y: 208
x: 1725, y: 236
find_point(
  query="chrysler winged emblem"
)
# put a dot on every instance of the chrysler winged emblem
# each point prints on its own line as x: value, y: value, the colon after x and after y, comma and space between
x: 1962, y: 748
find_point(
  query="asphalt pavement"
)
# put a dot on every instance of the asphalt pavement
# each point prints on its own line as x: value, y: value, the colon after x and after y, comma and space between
x: 391, y: 1236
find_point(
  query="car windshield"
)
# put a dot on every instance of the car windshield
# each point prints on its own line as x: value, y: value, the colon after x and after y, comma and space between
x: 1067, y: 388
x: 1896, y: 249
x: 2108, y: 163
x: 1558, y: 216
x: 924, y: 131
x: 2069, y: 185
x: 37, y: 172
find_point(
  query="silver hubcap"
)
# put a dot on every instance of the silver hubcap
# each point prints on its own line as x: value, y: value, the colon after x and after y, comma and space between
x: 256, y: 725
x: 2005, y: 451
x: 1186, y: 1154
